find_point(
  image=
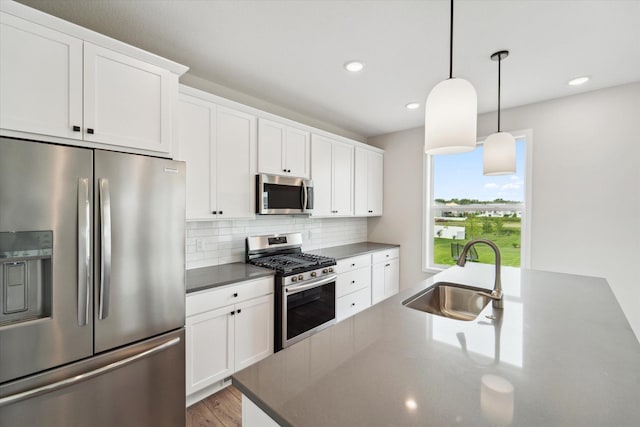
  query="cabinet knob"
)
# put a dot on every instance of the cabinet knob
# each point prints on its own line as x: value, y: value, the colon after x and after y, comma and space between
x: 353, y: 265
x: 353, y: 281
x: 214, y: 212
x: 370, y: 211
x: 76, y: 129
x: 239, y: 310
x: 289, y: 170
x: 220, y: 212
x: 232, y: 313
x: 284, y: 170
x: 90, y: 131
x: 353, y: 304
x: 235, y: 295
x: 387, y: 265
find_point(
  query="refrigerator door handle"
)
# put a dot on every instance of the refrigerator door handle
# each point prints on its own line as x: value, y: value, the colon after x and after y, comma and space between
x: 84, y: 251
x: 105, y: 248
x: 85, y: 376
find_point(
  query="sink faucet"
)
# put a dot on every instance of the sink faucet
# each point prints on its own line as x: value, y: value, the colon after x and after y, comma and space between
x: 496, y: 295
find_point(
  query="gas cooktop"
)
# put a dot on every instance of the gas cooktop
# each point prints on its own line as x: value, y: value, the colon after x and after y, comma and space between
x: 283, y: 253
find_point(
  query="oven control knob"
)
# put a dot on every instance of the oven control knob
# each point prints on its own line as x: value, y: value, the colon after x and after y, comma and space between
x: 314, y: 274
x: 331, y: 270
x: 325, y: 271
x: 294, y: 279
x: 300, y: 277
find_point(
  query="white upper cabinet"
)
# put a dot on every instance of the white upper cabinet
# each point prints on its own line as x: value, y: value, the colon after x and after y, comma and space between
x: 283, y: 150
x: 332, y: 175
x: 55, y: 84
x: 127, y: 102
x: 368, y: 182
x: 40, y: 79
x: 219, y: 146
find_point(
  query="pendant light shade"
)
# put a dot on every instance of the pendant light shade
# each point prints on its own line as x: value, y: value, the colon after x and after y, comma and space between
x: 499, y: 153
x: 450, y: 118
x: 451, y: 113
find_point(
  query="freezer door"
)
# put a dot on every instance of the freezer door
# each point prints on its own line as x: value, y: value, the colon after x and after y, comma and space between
x: 45, y: 255
x: 139, y: 248
x: 136, y: 386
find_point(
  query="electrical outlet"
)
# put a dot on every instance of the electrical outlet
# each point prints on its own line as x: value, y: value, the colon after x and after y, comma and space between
x: 199, y: 245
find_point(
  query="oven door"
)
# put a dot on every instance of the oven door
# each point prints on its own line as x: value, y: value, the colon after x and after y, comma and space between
x: 307, y: 308
x: 283, y: 195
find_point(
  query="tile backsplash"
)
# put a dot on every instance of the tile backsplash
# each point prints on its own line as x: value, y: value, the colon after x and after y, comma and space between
x: 221, y: 242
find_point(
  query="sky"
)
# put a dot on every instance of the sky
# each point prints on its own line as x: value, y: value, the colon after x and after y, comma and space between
x: 460, y: 176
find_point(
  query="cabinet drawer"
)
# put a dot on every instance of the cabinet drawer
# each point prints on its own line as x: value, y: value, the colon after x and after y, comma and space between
x: 353, y: 303
x: 353, y: 263
x: 352, y: 281
x: 210, y: 299
x: 385, y: 255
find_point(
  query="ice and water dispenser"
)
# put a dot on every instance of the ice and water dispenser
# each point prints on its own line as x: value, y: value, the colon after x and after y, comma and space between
x: 25, y: 275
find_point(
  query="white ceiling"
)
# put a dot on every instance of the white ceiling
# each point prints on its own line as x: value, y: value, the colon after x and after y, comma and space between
x: 291, y: 53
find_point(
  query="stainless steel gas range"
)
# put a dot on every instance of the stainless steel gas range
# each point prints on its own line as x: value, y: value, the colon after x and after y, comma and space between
x: 305, y: 287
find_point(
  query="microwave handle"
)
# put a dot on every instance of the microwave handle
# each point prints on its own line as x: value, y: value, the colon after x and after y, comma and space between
x: 304, y: 197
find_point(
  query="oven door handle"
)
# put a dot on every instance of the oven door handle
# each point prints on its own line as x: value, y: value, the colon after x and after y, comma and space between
x: 290, y: 290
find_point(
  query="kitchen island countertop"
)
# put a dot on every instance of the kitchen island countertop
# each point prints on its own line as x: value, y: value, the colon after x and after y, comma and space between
x: 561, y: 352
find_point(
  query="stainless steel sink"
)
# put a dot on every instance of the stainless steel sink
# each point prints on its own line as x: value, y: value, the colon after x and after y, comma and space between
x: 451, y: 300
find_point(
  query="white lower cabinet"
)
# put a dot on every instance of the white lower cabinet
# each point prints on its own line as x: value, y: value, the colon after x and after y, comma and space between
x: 228, y: 329
x: 385, y: 275
x: 353, y: 286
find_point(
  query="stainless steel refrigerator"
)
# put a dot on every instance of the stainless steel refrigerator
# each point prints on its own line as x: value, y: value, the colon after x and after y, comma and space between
x: 92, y: 287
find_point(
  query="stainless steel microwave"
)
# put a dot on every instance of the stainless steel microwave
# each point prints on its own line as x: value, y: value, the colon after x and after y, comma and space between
x: 283, y: 195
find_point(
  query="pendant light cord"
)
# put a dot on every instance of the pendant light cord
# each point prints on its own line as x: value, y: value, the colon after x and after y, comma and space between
x: 451, y: 44
x: 499, y: 61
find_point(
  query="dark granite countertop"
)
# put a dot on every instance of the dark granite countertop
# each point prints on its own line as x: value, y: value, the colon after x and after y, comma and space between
x: 199, y: 279
x: 560, y: 353
x: 354, y: 249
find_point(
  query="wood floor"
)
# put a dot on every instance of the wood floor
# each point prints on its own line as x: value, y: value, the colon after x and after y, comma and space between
x: 223, y: 409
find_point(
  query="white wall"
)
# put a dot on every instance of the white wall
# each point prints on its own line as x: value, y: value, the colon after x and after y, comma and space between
x: 401, y: 221
x: 586, y: 174
x: 223, y: 241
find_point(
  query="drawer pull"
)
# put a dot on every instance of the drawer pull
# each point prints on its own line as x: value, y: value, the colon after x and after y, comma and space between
x: 353, y: 304
x: 353, y: 281
x: 235, y: 294
x: 353, y: 265
x: 387, y: 265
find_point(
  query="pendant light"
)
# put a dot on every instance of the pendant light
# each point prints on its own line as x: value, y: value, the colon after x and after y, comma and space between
x: 500, y: 147
x: 451, y: 113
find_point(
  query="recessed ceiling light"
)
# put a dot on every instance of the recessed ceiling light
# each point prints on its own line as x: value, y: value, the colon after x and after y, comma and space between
x: 412, y: 106
x: 354, y: 66
x: 578, y: 81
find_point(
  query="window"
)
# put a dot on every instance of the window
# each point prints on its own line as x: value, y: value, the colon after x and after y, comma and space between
x: 462, y: 204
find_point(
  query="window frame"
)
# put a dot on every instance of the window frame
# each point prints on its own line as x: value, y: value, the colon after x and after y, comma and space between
x: 427, y: 206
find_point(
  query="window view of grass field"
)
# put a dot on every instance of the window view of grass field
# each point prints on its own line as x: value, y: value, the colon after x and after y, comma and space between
x: 468, y: 205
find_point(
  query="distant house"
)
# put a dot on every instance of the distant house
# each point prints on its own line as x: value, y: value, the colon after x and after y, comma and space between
x: 449, y: 232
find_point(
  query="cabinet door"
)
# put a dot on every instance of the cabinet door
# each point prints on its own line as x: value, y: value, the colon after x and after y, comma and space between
x: 254, y: 331
x: 297, y: 154
x: 361, y: 175
x: 209, y: 348
x: 196, y: 129
x: 235, y: 163
x: 342, y: 161
x: 391, y: 278
x: 375, y: 181
x: 321, y: 176
x: 271, y: 140
x: 40, y: 79
x: 127, y: 102
x: 377, y: 282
